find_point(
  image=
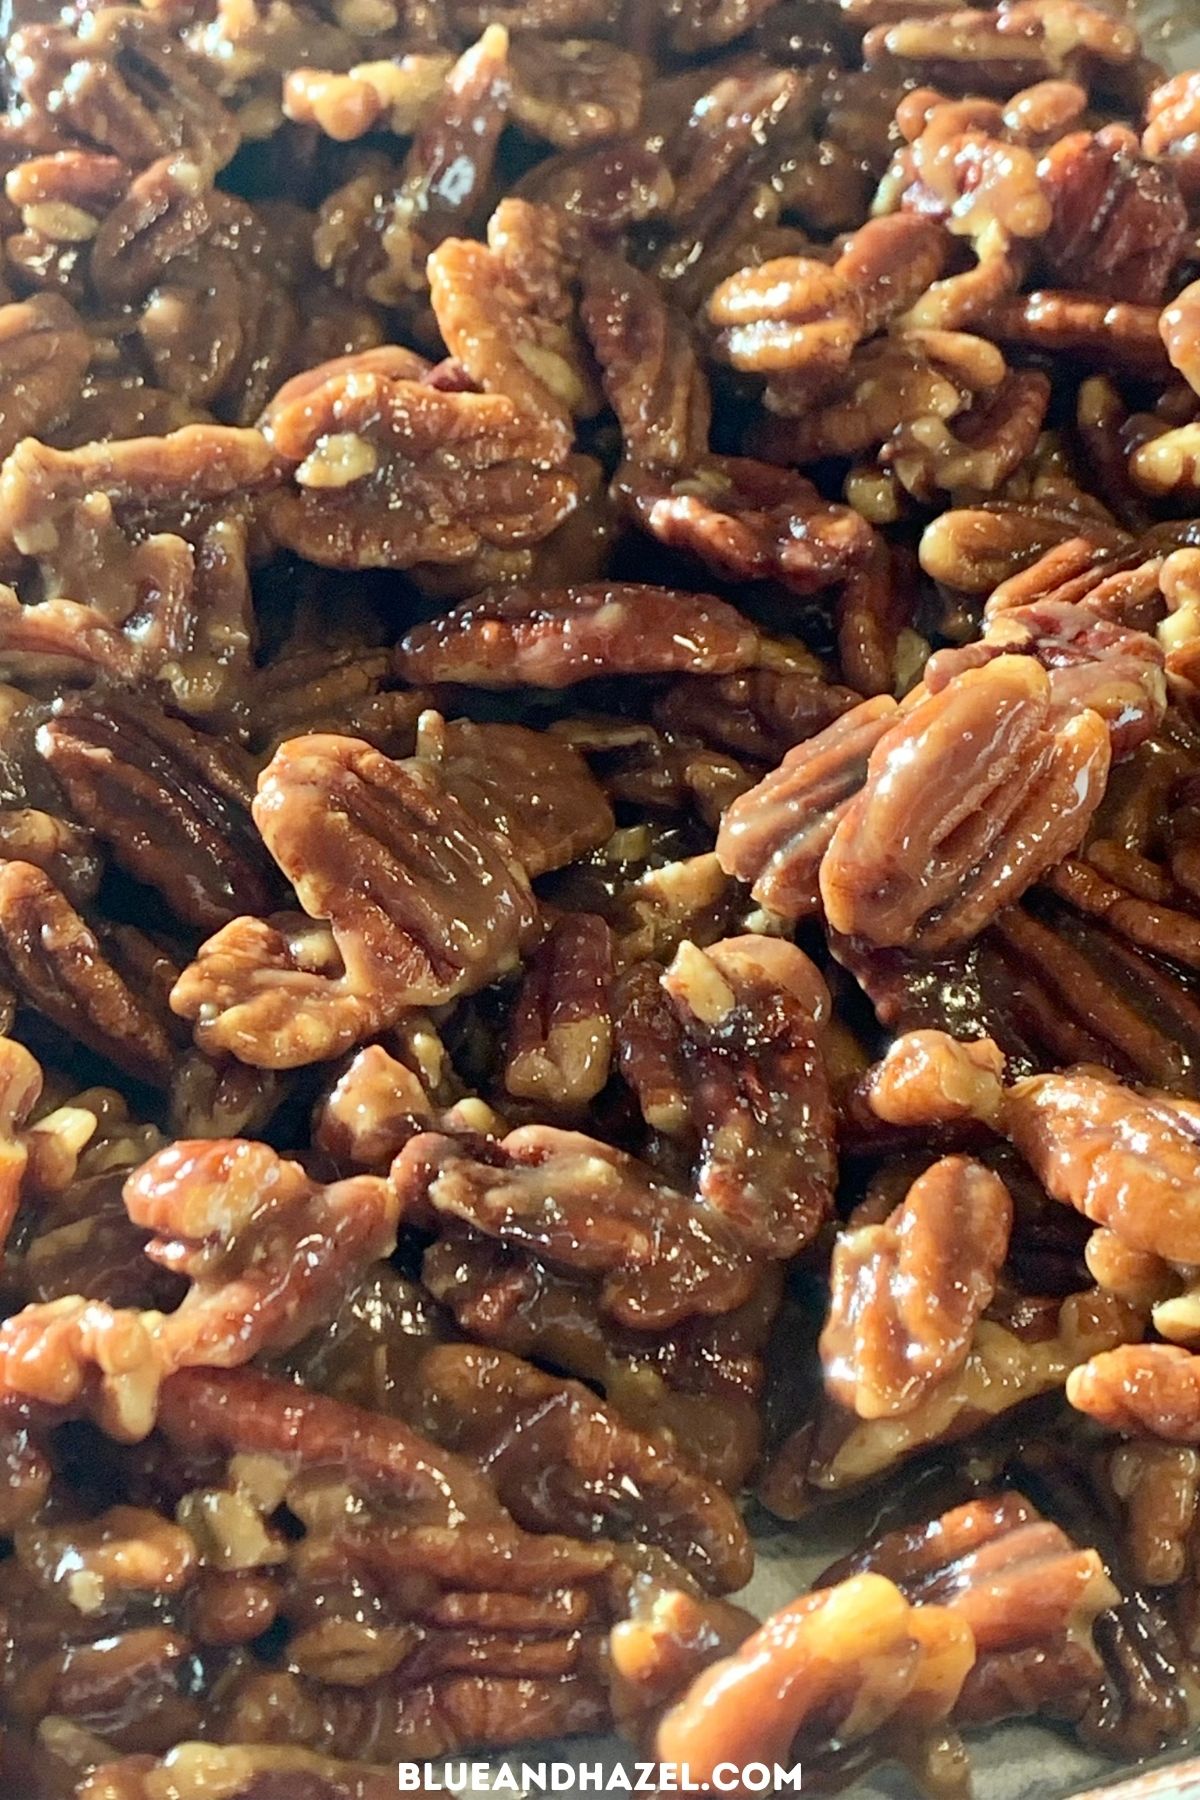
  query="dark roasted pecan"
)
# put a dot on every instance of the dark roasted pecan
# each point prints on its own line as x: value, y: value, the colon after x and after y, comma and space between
x: 1119, y: 222
x: 44, y: 350
x: 1172, y: 131
x: 550, y: 637
x: 583, y: 1205
x: 574, y: 91
x: 406, y: 931
x: 562, y: 1461
x: 173, y: 806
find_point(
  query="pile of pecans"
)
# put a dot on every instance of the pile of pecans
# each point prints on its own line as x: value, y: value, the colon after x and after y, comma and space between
x: 599, y: 883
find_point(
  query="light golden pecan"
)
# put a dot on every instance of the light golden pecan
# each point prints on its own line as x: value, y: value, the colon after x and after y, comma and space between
x: 746, y: 520
x: 507, y: 312
x: 378, y: 1103
x: 1172, y: 131
x: 559, y: 1032
x: 124, y: 1550
x: 1125, y: 1161
x: 1157, y: 1487
x: 389, y: 472
x: 398, y: 92
x: 405, y: 927
x: 1018, y: 42
x: 122, y: 83
x: 905, y: 1296
x: 76, y: 1356
x: 651, y: 374
x: 1142, y: 1389
x: 1024, y: 793
x: 929, y: 1078
x: 830, y: 1661
x: 750, y: 1014
x: 982, y: 448
x: 528, y: 786
x: 44, y: 350
x: 574, y: 90
x: 551, y: 637
x: 776, y: 835
x: 60, y: 967
x: 667, y: 1639
x: 564, y: 1461
x: 582, y: 1205
x: 268, y: 1251
x: 174, y: 808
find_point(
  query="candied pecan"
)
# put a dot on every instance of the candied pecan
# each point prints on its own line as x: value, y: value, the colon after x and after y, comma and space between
x: 1018, y: 823
x: 976, y: 549
x: 604, y: 188
x: 573, y: 91
x: 652, y: 376
x: 390, y: 472
x: 1114, y: 334
x: 44, y: 350
x: 75, y: 1355
x: 405, y: 931
x: 397, y: 91
x: 1018, y: 42
x: 551, y: 637
x: 1157, y: 1487
x: 746, y: 520
x: 759, y: 714
x: 126, y: 1549
x: 121, y: 82
x: 928, y: 1078
x: 559, y: 1033
x: 1123, y: 1160
x: 1118, y: 224
x: 268, y: 1251
x: 667, y: 1639
x: 584, y: 1205
x: 67, y: 853
x: 776, y: 835
x: 1029, y: 1595
x: 789, y: 316
x: 563, y: 1461
x: 905, y: 1296
x: 829, y: 1661
x: 247, y: 1413
x: 174, y: 808
x: 60, y: 967
x: 1172, y: 131
x: 527, y: 786
x: 1141, y: 1388
x: 20, y: 1090
x: 752, y: 1082
x: 506, y: 311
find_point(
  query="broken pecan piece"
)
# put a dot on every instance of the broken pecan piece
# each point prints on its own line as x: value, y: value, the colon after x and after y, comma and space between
x: 1142, y: 1388
x: 559, y: 1031
x: 551, y: 637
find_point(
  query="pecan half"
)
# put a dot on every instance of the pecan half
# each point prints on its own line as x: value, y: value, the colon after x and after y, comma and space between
x: 650, y: 370
x: 559, y: 1032
x: 1142, y: 1388
x: 550, y: 637
x: 44, y: 351
x: 906, y: 1295
x: 575, y: 90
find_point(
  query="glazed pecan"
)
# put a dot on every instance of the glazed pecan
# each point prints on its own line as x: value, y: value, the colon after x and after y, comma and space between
x: 1029, y: 1595
x: 173, y: 806
x: 928, y: 1078
x: 405, y: 932
x: 905, y: 1296
x: 22, y: 1153
x: 389, y: 472
x: 59, y: 965
x: 975, y: 549
x: 824, y: 1661
x: 573, y: 91
x: 268, y: 1251
x: 750, y: 1082
x: 1172, y: 131
x: 1018, y: 42
x: 776, y: 835
x: 652, y: 376
x: 746, y: 520
x: 551, y: 637
x: 44, y: 350
x: 398, y: 91
x: 1106, y: 334
x: 75, y: 1356
x: 605, y: 188
x: 560, y: 1033
x: 1126, y: 1162
x: 1139, y: 1389
x: 583, y: 1205
x: 507, y: 312
x: 1119, y: 222
x: 563, y: 1461
x: 1027, y: 800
